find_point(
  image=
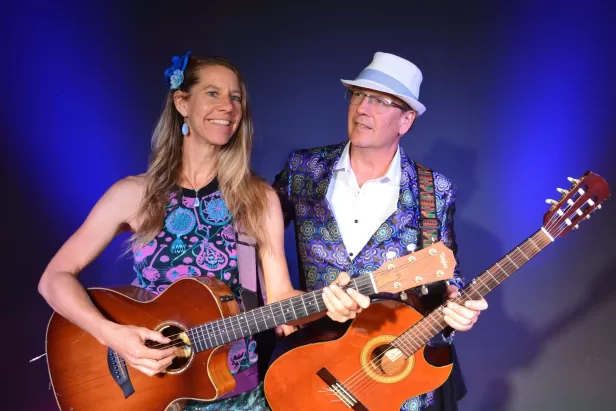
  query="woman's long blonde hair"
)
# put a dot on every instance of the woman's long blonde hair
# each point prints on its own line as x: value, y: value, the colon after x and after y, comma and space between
x: 242, y: 190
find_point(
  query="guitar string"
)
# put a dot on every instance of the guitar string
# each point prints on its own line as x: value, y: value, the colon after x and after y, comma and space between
x: 534, y: 250
x: 365, y: 288
x: 407, y: 342
x: 549, y: 226
x: 351, y: 381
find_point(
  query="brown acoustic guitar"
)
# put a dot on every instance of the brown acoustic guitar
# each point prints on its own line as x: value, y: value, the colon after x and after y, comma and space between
x: 202, y: 318
x: 379, y: 362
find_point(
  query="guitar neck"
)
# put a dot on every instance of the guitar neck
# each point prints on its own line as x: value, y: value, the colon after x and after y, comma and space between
x: 251, y: 322
x: 432, y: 324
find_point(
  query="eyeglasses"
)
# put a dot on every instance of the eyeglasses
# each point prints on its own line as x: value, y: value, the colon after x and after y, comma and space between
x: 377, y: 103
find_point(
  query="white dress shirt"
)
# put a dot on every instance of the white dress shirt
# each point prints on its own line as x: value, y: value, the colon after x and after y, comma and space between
x: 360, y: 211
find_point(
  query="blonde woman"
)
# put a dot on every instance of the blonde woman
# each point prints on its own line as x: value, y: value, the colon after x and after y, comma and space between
x: 198, y: 185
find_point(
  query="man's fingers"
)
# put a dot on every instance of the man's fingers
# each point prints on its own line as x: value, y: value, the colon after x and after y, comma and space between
x: 343, y: 278
x: 345, y: 300
x: 361, y: 300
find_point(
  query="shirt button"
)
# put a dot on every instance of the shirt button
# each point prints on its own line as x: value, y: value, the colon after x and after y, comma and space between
x: 350, y: 254
x: 356, y: 221
x: 390, y: 255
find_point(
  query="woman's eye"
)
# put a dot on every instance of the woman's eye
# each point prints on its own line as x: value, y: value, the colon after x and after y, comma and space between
x: 236, y: 98
x: 212, y: 93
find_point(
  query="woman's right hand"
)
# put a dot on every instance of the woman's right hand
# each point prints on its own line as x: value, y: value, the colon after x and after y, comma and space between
x: 128, y: 342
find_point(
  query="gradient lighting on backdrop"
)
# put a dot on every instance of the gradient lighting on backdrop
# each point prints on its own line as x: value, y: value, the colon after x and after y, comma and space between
x: 497, y: 83
x: 81, y: 140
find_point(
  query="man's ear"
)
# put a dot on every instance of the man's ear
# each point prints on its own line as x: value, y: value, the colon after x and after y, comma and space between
x: 406, y: 121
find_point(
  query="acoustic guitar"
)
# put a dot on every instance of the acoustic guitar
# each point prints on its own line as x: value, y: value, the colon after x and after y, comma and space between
x: 202, y: 318
x: 379, y: 362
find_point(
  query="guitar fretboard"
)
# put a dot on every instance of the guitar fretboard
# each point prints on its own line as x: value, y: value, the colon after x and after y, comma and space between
x: 251, y: 322
x: 432, y: 324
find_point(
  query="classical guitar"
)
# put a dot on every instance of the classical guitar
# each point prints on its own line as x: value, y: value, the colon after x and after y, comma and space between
x: 202, y: 318
x: 379, y: 362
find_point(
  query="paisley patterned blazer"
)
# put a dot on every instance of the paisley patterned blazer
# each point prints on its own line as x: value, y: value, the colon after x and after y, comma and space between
x: 302, y: 187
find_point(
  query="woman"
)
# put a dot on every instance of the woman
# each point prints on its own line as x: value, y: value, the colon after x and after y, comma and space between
x: 182, y: 213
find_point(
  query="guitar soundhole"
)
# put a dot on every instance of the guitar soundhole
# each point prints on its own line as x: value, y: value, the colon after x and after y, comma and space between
x: 179, y: 340
x: 387, y: 360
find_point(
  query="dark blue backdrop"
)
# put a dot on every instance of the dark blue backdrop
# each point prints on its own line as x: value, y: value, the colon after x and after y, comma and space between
x: 519, y: 96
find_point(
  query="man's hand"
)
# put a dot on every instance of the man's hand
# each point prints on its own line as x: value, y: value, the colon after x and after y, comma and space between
x: 343, y: 305
x: 462, y: 318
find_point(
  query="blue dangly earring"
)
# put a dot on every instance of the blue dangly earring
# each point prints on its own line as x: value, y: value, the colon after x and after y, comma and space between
x: 185, y: 129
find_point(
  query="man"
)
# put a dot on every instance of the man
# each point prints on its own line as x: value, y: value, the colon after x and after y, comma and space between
x: 356, y: 204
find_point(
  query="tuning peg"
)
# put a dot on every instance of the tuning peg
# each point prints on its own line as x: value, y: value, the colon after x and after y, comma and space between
x: 575, y: 227
x: 573, y: 180
x: 562, y: 191
x: 424, y: 289
x: 550, y: 201
x: 587, y: 216
x: 598, y: 206
x: 403, y: 296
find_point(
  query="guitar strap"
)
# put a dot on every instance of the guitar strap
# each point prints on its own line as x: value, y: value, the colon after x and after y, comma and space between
x: 428, y: 222
x: 250, y: 271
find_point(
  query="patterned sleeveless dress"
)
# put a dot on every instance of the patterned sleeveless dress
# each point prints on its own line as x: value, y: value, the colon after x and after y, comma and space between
x: 198, y: 239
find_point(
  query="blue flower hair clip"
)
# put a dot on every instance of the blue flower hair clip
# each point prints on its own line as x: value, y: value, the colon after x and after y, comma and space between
x: 174, y: 75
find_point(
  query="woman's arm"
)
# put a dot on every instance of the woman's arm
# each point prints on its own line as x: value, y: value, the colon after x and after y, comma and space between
x: 61, y: 289
x: 278, y: 281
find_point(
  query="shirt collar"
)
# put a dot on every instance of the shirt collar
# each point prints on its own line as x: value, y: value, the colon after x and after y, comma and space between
x: 394, y: 172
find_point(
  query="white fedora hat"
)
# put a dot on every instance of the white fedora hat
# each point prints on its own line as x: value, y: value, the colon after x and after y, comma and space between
x: 393, y: 75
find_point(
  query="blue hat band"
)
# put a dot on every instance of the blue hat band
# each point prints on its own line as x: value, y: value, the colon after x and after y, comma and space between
x: 386, y: 80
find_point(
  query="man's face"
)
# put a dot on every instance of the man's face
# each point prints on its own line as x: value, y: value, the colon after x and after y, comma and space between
x: 376, y: 121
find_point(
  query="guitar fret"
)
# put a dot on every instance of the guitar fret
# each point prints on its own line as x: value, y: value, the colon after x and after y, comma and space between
x: 273, y: 315
x: 210, y: 332
x: 206, y: 334
x: 302, y: 300
x: 484, y: 284
x: 501, y: 268
x: 224, y: 322
x: 282, y: 309
x: 512, y: 261
x: 233, y: 327
x: 196, y: 341
x: 490, y: 274
x: 220, y: 331
x: 314, y: 294
x: 523, y: 253
x: 533, y: 243
x: 293, y: 308
x: 247, y: 331
x: 255, y: 319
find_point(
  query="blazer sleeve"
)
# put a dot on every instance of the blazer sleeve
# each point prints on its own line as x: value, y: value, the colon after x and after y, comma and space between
x: 283, y: 186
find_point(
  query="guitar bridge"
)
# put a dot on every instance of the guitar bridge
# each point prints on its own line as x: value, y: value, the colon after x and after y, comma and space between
x: 119, y: 372
x: 341, y: 391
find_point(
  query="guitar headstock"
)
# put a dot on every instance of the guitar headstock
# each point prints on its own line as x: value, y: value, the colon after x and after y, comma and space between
x: 428, y: 265
x: 575, y: 204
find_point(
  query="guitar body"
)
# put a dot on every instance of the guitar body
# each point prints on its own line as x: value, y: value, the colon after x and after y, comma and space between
x: 86, y: 376
x: 297, y: 379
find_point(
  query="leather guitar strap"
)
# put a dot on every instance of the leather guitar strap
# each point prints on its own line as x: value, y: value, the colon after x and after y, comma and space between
x: 250, y: 271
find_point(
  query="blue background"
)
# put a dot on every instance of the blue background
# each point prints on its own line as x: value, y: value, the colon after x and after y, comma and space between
x: 519, y: 96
